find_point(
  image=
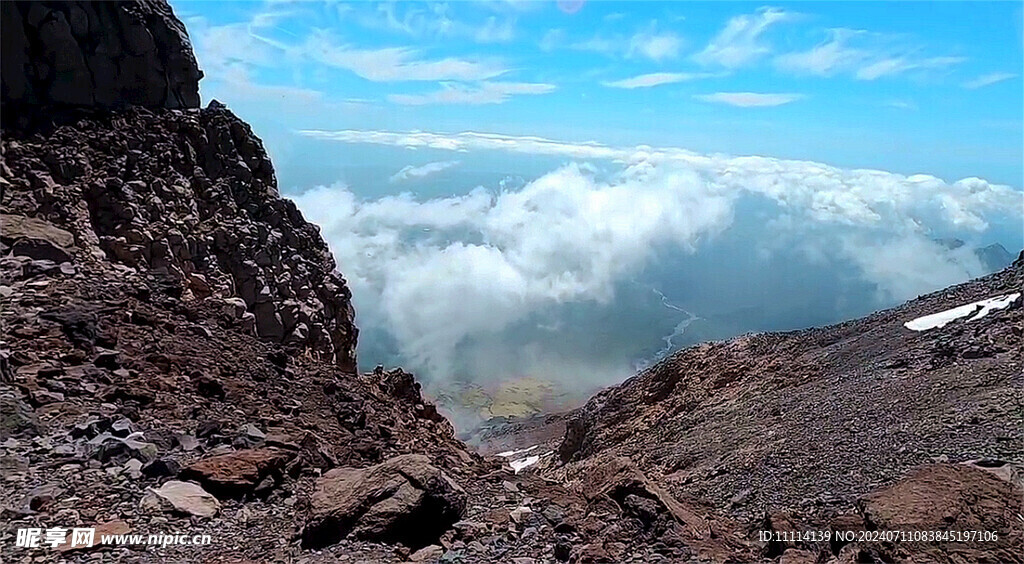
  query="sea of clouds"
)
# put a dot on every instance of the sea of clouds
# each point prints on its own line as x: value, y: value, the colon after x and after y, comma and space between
x: 497, y: 282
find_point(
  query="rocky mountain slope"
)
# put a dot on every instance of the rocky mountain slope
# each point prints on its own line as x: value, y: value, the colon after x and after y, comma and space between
x: 178, y: 357
x: 813, y: 420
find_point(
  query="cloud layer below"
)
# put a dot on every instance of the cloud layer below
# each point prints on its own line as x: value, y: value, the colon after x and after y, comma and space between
x: 441, y: 276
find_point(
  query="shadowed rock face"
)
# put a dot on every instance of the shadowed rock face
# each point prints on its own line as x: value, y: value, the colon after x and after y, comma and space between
x: 105, y: 147
x: 190, y: 197
x: 97, y: 54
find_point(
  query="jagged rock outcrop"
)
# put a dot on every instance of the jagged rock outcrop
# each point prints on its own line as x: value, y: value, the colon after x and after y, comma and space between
x: 189, y: 196
x: 103, y: 54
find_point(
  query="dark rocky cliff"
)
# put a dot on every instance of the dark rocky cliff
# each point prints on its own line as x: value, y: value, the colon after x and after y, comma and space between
x: 103, y: 136
x: 106, y: 54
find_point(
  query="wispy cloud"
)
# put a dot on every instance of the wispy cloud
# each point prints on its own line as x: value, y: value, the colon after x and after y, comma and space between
x: 396, y: 64
x: 495, y: 31
x: 749, y: 99
x: 988, y: 80
x: 220, y: 47
x: 433, y: 21
x: 471, y: 140
x: 410, y: 171
x: 552, y: 39
x: 899, y: 65
x: 657, y: 46
x: 740, y: 42
x: 902, y: 105
x: 657, y: 79
x: 864, y: 55
x: 827, y: 58
x: 482, y: 93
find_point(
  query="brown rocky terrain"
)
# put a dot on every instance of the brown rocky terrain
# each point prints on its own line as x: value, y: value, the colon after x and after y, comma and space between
x: 178, y: 357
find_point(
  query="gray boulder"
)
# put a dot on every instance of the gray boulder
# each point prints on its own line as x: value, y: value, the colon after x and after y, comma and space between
x: 404, y: 499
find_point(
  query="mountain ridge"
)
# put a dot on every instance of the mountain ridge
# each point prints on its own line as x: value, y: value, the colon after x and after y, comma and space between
x: 178, y: 355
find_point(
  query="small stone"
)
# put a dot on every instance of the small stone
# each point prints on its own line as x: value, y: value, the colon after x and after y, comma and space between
x: 520, y: 514
x: 553, y: 514
x: 208, y: 428
x: 186, y: 442
x: 183, y: 497
x: 122, y: 428
x: 161, y: 467
x: 90, y: 428
x: 133, y: 467
x: 45, y: 397
x: 428, y: 553
x: 106, y: 358
x: 562, y: 550
x: 252, y: 432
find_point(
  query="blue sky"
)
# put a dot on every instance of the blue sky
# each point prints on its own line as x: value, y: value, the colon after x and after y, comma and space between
x: 906, y: 87
x: 572, y: 189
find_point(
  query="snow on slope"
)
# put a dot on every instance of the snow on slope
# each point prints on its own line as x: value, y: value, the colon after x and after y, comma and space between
x: 982, y: 307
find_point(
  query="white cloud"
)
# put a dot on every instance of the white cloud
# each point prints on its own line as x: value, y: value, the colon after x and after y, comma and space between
x: 438, y: 273
x: 551, y: 40
x: 655, y: 46
x: 235, y: 84
x: 482, y: 93
x: 657, y: 79
x: 749, y: 99
x: 648, y: 44
x: 395, y: 64
x: 898, y: 65
x: 219, y: 47
x: 433, y: 21
x: 902, y: 105
x: 564, y: 237
x: 495, y: 31
x: 826, y: 58
x: 864, y: 55
x: 988, y: 80
x: 422, y: 171
x: 472, y: 141
x: 740, y: 42
x: 908, y: 265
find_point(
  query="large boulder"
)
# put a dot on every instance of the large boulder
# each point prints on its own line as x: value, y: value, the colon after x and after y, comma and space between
x: 97, y: 54
x: 405, y: 499
x: 238, y: 473
x: 14, y: 227
x: 956, y: 498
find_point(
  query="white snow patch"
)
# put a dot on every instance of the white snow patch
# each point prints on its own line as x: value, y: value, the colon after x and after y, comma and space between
x: 511, y: 453
x: 982, y: 307
x: 518, y: 465
x: 519, y: 462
